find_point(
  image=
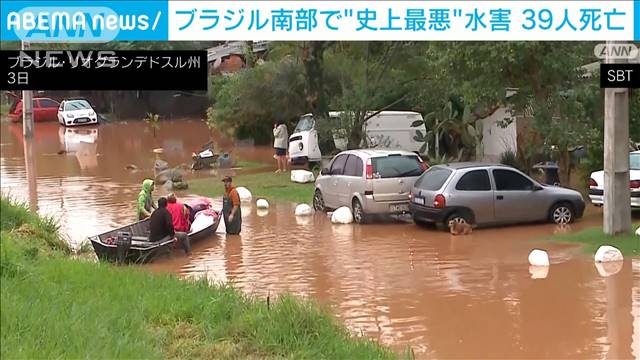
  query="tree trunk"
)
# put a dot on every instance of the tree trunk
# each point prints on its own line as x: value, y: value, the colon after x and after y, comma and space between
x: 564, y: 164
x: 313, y: 59
x: 355, y: 135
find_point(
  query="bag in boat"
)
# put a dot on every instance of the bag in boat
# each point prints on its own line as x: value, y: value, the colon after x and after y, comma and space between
x: 204, y: 219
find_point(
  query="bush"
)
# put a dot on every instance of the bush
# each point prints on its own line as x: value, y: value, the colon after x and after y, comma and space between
x: 510, y: 158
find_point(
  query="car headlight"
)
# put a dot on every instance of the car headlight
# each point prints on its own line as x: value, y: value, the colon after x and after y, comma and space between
x: 70, y: 116
x: 300, y: 146
x: 93, y: 113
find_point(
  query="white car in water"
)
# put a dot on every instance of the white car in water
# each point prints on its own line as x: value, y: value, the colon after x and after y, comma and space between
x: 76, y: 112
x: 596, y: 183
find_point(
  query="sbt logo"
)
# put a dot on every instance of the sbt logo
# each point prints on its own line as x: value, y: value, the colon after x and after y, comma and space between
x: 616, y: 51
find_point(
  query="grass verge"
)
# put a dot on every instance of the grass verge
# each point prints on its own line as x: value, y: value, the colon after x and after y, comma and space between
x: 593, y: 238
x: 247, y: 164
x: 270, y: 186
x: 55, y: 307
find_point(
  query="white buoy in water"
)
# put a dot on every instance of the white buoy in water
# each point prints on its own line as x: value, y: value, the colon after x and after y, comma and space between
x: 607, y: 253
x: 303, y: 210
x: 262, y: 212
x: 342, y: 215
x: 538, y: 257
x: 262, y: 204
x: 244, y: 193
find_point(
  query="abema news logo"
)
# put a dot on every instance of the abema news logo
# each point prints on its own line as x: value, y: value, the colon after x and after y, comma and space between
x: 99, y: 23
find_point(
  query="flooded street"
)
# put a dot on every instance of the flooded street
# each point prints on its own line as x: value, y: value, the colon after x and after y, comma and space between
x: 88, y: 188
x: 445, y: 297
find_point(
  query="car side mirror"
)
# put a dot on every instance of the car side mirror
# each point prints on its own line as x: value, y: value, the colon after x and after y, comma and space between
x: 324, y: 171
x: 537, y: 188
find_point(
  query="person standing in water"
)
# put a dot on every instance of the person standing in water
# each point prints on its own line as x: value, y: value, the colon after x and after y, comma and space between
x: 280, y: 142
x: 145, y: 205
x: 231, y: 207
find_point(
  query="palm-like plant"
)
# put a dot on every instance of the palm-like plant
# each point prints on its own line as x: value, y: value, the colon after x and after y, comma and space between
x: 454, y: 123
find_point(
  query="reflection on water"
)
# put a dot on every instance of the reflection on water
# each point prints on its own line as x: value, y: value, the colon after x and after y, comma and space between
x: 446, y: 297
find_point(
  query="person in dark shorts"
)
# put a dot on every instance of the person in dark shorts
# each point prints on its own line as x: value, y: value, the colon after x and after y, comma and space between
x: 280, y: 142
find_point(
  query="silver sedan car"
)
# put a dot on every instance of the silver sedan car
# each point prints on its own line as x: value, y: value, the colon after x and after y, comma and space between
x: 489, y: 194
x: 370, y: 182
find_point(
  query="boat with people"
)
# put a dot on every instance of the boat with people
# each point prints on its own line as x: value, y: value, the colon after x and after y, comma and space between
x: 130, y: 243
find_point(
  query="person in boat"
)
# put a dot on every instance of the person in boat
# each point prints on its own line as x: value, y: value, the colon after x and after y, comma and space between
x: 145, y: 200
x: 231, y: 207
x: 161, y: 226
x: 180, y: 219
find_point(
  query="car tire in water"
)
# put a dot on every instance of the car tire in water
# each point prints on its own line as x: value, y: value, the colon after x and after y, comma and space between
x: 358, y: 212
x: 318, y: 201
x: 562, y: 214
x: 457, y: 217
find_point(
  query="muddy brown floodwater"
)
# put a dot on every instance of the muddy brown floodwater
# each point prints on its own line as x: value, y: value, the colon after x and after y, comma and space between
x: 445, y: 297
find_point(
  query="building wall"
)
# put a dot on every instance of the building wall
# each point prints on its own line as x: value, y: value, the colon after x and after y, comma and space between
x: 495, y: 139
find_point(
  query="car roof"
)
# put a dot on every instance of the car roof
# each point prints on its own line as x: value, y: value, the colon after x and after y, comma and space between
x: 636, y: 152
x: 385, y: 112
x: 471, y: 164
x: 75, y: 99
x: 377, y: 152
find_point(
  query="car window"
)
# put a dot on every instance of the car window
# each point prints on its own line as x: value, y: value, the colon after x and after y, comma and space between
x: 305, y: 123
x: 354, y: 166
x: 48, y: 103
x: 634, y: 161
x: 337, y: 167
x: 507, y: 180
x: 396, y: 166
x: 433, y: 179
x: 476, y: 180
x: 76, y: 105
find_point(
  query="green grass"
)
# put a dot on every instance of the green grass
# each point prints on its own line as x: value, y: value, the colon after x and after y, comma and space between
x: 55, y: 307
x: 246, y: 164
x: 270, y: 186
x: 593, y: 238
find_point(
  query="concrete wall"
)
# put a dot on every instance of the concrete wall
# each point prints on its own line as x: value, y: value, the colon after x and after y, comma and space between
x: 495, y: 139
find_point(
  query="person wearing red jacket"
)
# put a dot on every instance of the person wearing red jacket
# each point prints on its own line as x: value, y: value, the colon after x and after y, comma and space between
x: 180, y: 218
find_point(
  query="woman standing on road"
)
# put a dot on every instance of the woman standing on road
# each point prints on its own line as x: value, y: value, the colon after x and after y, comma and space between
x: 280, y: 142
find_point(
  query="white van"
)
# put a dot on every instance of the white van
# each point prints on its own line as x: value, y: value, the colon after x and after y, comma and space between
x: 386, y: 130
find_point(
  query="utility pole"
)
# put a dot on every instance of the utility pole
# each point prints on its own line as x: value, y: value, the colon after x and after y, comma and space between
x: 617, y: 206
x: 27, y: 106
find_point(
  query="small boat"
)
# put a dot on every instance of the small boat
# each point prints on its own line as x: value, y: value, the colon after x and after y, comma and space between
x: 130, y: 243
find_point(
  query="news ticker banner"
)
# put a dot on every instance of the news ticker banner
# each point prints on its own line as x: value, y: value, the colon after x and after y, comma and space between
x: 102, y: 21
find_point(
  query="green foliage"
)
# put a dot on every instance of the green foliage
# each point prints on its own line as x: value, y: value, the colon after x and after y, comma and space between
x: 593, y: 238
x: 273, y: 187
x: 454, y: 84
x: 509, y: 158
x: 454, y: 127
x: 252, y: 100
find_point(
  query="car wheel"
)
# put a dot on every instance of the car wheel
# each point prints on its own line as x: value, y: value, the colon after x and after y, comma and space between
x: 358, y: 212
x: 458, y: 218
x: 318, y: 201
x: 562, y: 214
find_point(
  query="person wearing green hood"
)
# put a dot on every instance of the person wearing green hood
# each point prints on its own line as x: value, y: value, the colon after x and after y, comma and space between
x: 145, y: 200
